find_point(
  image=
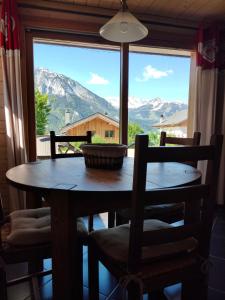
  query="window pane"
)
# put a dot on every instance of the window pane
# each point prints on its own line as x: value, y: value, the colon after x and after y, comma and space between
x: 109, y: 134
x: 76, y: 89
x: 158, y: 95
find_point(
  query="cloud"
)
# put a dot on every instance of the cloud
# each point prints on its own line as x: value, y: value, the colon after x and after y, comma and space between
x: 96, y: 79
x: 150, y: 72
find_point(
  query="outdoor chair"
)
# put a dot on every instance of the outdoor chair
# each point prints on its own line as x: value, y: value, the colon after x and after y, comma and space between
x: 167, y: 212
x: 25, y: 236
x: 148, y: 255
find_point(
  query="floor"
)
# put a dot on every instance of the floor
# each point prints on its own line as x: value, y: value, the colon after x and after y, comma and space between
x: 108, y: 283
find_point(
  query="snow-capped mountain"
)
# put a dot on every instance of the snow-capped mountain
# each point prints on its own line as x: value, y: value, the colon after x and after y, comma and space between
x: 68, y: 94
x: 133, y: 102
x: 136, y: 102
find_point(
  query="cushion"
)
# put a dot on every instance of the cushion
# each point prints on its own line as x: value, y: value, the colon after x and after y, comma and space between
x: 33, y: 213
x: 33, y: 226
x: 156, y: 211
x: 114, y: 243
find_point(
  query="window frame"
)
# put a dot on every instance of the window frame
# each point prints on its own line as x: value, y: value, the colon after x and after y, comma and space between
x: 79, y: 39
x: 28, y: 83
x: 109, y: 133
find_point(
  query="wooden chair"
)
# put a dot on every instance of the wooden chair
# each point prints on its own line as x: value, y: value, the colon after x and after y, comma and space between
x: 169, y: 140
x: 54, y: 139
x: 16, y: 247
x: 168, y: 212
x: 66, y: 140
x: 25, y: 236
x: 148, y: 255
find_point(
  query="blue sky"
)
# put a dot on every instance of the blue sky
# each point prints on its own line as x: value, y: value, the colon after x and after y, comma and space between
x: 150, y: 76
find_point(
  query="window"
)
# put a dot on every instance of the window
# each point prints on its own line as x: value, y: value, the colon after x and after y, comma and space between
x: 76, y: 89
x: 68, y: 71
x: 158, y: 92
x: 109, y: 133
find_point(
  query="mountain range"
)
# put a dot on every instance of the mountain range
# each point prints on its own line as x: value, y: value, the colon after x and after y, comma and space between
x: 66, y: 94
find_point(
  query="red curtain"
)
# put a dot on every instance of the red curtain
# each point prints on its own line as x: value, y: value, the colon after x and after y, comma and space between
x: 9, y: 36
x: 210, y: 49
x: 10, y: 57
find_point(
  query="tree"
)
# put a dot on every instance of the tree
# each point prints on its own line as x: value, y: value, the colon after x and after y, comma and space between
x: 98, y: 139
x: 133, y: 129
x: 154, y: 138
x: 42, y: 111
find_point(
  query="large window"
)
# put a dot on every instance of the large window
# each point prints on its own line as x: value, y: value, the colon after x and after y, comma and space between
x: 76, y: 89
x: 158, y: 93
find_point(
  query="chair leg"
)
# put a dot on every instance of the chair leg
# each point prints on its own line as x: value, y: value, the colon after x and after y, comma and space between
x: 133, y: 291
x: 80, y: 270
x: 36, y: 288
x: 157, y: 295
x: 195, y: 289
x: 93, y: 274
x: 111, y: 219
x: 120, y: 220
x: 35, y: 266
x: 3, y: 285
x: 90, y: 223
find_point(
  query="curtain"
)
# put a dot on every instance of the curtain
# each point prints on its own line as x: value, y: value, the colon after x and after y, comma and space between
x: 10, y: 57
x: 205, y: 99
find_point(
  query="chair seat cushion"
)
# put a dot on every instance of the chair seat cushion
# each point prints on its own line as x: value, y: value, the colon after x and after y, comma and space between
x: 162, y: 211
x: 114, y: 243
x: 33, y: 226
x: 157, y: 210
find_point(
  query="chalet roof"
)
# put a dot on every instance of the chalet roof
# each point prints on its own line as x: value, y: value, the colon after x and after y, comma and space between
x: 176, y: 119
x: 88, y: 119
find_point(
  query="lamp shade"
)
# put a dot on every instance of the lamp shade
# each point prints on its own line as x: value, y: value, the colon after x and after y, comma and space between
x: 123, y: 28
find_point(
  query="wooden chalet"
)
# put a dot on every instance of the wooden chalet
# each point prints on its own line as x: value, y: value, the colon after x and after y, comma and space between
x: 175, y: 124
x: 100, y: 125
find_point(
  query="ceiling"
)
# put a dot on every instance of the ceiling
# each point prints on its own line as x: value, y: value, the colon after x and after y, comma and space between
x: 191, y: 10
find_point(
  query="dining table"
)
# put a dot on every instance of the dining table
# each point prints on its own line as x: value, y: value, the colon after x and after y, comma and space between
x: 73, y: 191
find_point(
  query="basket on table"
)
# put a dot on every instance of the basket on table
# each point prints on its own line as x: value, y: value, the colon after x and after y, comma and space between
x: 104, y: 156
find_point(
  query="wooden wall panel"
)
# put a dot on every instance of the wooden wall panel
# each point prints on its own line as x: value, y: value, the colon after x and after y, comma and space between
x: 190, y: 10
x: 47, y: 15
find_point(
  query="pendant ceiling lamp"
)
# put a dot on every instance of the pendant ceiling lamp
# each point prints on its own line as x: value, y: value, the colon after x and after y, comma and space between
x: 123, y: 27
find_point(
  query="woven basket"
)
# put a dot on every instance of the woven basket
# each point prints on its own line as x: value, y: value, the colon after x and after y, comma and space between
x: 104, y: 156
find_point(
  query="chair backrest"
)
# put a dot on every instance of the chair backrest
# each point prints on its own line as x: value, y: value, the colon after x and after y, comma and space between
x: 54, y: 139
x: 199, y: 199
x: 194, y: 141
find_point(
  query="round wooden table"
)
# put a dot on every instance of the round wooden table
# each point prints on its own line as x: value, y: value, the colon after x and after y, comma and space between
x: 75, y: 190
x: 71, y: 174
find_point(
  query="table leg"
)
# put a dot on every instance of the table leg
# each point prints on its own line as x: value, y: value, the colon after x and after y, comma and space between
x: 66, y: 264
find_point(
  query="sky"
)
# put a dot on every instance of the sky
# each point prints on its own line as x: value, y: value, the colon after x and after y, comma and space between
x: 150, y: 76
